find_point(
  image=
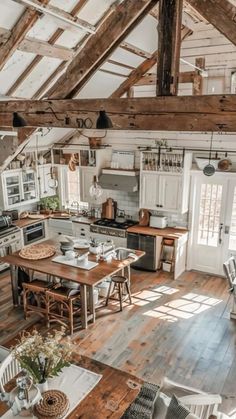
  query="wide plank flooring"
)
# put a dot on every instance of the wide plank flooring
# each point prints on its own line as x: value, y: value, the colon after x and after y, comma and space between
x: 180, y: 329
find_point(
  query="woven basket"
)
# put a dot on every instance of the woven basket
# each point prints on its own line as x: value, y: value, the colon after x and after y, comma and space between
x: 53, y: 405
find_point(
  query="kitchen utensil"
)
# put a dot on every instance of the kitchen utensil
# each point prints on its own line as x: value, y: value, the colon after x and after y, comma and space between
x: 144, y: 216
x: 225, y: 164
x: 109, y: 209
x: 209, y: 169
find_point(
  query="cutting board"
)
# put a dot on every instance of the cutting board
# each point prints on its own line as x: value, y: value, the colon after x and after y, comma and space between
x: 73, y: 262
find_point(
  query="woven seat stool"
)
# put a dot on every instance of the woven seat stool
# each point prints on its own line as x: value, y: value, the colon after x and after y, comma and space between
x: 34, y: 297
x: 119, y: 282
x: 63, y: 306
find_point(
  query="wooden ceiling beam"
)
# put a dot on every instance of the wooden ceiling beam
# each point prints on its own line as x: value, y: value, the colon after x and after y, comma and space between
x: 142, y: 69
x: 172, y: 113
x: 24, y: 24
x: 221, y: 14
x: 57, y: 13
x: 100, y: 46
x: 169, y: 42
x: 135, y: 50
x: 151, y: 79
x: 45, y: 49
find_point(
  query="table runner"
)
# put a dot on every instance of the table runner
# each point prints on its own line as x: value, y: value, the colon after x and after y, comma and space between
x: 75, y: 382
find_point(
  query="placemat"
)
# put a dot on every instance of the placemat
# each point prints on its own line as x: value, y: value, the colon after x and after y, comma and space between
x: 37, y: 251
x: 75, y: 382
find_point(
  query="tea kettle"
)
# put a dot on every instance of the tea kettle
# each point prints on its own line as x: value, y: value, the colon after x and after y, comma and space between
x: 109, y: 209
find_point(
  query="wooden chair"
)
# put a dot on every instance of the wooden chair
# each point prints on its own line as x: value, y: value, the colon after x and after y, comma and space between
x: 63, y: 306
x: 4, y: 352
x: 9, y: 368
x: 34, y: 297
x: 119, y: 282
x: 230, y: 272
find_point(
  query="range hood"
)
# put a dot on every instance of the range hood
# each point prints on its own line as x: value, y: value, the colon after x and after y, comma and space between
x: 119, y: 180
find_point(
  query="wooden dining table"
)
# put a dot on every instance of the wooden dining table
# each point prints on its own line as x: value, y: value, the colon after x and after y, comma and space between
x: 108, y: 399
x: 87, y: 279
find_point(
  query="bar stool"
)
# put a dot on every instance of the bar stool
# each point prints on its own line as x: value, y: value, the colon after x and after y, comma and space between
x: 34, y: 297
x: 119, y: 282
x: 63, y: 305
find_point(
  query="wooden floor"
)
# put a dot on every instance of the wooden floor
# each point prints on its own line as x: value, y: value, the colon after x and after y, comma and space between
x: 180, y: 329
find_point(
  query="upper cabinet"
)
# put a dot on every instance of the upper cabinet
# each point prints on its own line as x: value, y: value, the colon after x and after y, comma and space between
x: 18, y: 187
x: 164, y: 181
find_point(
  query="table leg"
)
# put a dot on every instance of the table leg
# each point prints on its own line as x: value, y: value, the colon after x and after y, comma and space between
x: 83, y: 296
x: 91, y: 302
x: 14, y: 284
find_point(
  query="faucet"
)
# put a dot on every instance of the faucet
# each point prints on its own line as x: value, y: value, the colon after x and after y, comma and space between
x: 77, y: 206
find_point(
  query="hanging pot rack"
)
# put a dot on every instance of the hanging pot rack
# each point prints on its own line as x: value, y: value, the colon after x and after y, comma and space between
x: 178, y: 148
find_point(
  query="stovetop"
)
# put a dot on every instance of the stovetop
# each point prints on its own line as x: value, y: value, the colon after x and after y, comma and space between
x: 8, y: 230
x: 122, y: 225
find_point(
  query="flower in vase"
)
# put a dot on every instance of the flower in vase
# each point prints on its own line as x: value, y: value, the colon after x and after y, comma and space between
x: 43, y: 356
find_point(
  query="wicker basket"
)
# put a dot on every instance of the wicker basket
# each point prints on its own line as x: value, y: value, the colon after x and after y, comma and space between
x: 53, y: 405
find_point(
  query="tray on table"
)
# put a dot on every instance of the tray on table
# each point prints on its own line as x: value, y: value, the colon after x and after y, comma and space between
x: 75, y: 263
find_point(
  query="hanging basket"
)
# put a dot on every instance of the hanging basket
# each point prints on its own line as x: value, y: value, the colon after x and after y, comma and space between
x: 95, y: 142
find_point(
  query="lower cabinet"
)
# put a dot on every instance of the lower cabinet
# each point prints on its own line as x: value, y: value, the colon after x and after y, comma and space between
x: 81, y: 230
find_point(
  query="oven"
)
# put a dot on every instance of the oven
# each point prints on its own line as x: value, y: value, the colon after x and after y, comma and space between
x: 33, y: 233
x: 10, y: 242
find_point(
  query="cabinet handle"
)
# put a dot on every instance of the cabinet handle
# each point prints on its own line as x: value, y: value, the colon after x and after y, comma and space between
x: 157, y: 205
x: 161, y: 206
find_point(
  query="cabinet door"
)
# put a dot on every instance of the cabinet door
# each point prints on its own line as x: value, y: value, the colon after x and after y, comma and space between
x: 12, y: 189
x: 86, y: 179
x: 149, y: 193
x: 29, y: 186
x: 170, y: 192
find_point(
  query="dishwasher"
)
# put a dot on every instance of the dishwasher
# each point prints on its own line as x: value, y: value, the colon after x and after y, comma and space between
x: 151, y: 245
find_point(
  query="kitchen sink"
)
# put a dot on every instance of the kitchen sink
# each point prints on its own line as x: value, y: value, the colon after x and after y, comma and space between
x: 122, y: 253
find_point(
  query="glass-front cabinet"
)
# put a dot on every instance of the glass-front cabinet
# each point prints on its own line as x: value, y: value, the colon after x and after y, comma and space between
x: 18, y: 187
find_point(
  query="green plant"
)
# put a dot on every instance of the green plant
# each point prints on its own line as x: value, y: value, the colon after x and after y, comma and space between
x: 43, y: 356
x: 50, y: 203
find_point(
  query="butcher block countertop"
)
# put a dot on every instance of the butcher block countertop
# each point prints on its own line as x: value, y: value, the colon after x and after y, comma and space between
x: 24, y: 222
x: 169, y: 232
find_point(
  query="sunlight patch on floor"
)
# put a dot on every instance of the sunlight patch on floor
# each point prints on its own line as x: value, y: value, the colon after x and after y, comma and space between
x: 183, y: 308
x: 147, y: 295
x: 166, y: 290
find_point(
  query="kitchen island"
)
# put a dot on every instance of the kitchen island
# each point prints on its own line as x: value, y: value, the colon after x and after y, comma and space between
x: 87, y: 279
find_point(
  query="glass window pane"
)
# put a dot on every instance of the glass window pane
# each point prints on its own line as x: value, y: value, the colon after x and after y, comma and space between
x: 209, y: 219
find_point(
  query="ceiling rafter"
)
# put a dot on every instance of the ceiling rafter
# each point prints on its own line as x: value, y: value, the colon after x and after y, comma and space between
x: 59, y: 14
x: 142, y: 69
x: 98, y: 48
x: 221, y: 14
x: 24, y: 24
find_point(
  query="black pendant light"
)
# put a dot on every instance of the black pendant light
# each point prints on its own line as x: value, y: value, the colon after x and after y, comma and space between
x: 103, y: 121
x: 18, y: 121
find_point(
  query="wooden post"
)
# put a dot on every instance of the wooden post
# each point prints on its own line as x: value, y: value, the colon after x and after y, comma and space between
x: 169, y: 41
x: 197, y: 79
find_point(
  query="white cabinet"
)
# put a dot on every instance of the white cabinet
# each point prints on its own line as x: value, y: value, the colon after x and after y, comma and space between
x: 18, y: 187
x: 81, y: 230
x: 165, y: 191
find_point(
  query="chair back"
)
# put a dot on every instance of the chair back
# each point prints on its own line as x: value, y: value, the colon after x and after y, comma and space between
x: 9, y: 368
x: 230, y: 272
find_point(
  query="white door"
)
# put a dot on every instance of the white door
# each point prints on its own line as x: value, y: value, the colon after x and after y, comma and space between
x: 170, y: 192
x: 229, y: 226
x: 207, y: 244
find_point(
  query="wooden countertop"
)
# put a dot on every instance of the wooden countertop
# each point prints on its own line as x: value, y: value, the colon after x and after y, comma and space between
x: 83, y: 220
x: 169, y: 232
x: 27, y: 221
x: 81, y: 276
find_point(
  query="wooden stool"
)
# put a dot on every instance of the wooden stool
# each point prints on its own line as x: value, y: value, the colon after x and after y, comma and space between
x: 62, y: 307
x: 119, y: 281
x: 36, y: 291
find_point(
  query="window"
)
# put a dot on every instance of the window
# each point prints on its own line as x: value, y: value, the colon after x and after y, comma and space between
x: 70, y: 190
x: 209, y: 219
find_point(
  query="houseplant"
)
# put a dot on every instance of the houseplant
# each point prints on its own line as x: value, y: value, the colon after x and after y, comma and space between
x: 43, y: 356
x: 49, y: 204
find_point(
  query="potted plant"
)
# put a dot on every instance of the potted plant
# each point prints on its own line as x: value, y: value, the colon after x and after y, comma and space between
x: 49, y: 204
x: 43, y: 357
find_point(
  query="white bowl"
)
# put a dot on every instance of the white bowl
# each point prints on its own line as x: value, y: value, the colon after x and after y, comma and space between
x: 204, y: 161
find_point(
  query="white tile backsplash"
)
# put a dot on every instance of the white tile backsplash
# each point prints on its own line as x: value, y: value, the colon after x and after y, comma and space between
x: 128, y: 202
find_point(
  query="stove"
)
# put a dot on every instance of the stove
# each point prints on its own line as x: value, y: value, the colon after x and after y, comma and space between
x: 111, y: 227
x: 10, y: 242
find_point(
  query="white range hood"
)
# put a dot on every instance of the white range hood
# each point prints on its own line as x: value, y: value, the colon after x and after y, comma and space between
x: 119, y: 180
